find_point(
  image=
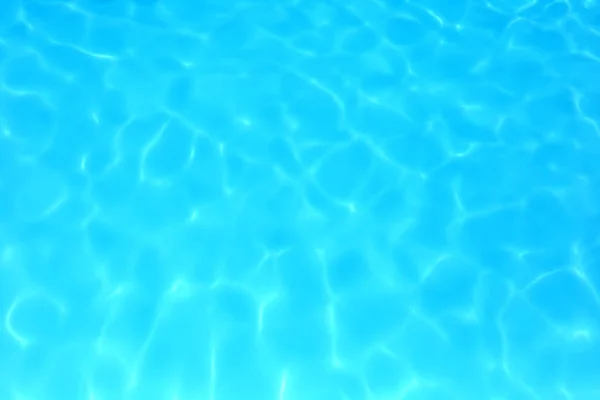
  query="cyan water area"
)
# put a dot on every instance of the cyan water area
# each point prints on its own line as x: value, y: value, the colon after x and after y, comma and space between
x: 300, y: 199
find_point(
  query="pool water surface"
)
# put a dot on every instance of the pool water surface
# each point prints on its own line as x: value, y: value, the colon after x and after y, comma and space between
x: 299, y: 200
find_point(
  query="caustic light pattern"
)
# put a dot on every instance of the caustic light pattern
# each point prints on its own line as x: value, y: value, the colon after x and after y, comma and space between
x: 299, y: 199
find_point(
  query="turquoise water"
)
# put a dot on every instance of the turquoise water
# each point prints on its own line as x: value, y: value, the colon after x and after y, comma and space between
x: 299, y: 199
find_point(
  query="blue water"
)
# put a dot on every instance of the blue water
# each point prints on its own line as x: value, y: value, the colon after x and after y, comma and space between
x: 300, y: 199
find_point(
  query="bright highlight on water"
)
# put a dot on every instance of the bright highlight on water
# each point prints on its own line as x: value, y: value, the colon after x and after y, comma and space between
x: 299, y: 200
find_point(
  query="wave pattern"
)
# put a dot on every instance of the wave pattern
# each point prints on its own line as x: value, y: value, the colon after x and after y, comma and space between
x: 299, y: 199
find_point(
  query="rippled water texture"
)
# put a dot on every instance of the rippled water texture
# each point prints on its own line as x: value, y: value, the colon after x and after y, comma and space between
x: 299, y: 199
